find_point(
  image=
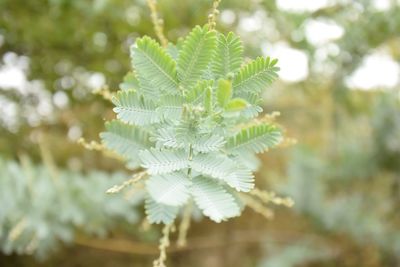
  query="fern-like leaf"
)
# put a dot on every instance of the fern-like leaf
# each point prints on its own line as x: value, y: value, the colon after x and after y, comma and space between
x: 240, y: 179
x: 173, y: 51
x: 254, y: 139
x: 197, y: 94
x: 254, y: 108
x: 169, y: 189
x: 125, y: 139
x: 166, y: 161
x: 208, y: 143
x: 225, y: 169
x: 130, y: 82
x: 152, y: 63
x: 213, y: 165
x: 159, y: 213
x: 170, y: 107
x: 166, y: 137
x: 133, y: 109
x: 196, y: 53
x: 148, y: 90
x: 215, y: 202
x: 255, y: 76
x: 229, y: 55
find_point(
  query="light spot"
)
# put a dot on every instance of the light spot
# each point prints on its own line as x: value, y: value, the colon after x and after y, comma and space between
x: 319, y: 32
x: 381, y: 5
x: 67, y: 82
x: 132, y: 15
x: 228, y: 17
x: 302, y: 6
x: 12, y: 77
x: 100, y: 39
x: 96, y: 80
x: 293, y: 63
x: 60, y: 99
x: 251, y: 23
x: 74, y: 133
x: 378, y: 70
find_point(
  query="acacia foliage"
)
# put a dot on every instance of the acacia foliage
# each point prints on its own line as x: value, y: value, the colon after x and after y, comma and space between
x: 186, y: 114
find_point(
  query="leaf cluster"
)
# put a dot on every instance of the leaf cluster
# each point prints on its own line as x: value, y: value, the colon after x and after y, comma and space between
x: 183, y: 115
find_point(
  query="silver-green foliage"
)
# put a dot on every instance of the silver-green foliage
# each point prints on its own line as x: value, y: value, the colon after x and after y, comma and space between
x: 185, y: 115
x: 40, y: 208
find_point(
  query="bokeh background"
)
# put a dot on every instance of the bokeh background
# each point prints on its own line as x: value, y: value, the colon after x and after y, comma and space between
x: 338, y: 95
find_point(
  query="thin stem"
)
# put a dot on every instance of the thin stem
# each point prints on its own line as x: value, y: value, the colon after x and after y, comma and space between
x: 257, y: 206
x: 212, y: 17
x: 270, y: 197
x: 105, y: 92
x: 190, y: 158
x: 93, y: 145
x: 134, y: 180
x: 164, y: 244
x: 184, y: 225
x: 158, y: 23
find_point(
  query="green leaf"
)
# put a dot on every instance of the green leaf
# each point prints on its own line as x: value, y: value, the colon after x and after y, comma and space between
x: 173, y: 51
x: 153, y: 64
x: 241, y: 179
x: 229, y: 55
x: 129, y: 82
x: 131, y: 108
x: 165, y: 161
x: 225, y: 169
x: 170, y: 189
x: 255, y: 76
x: 249, y: 160
x: 125, y: 139
x: 208, y: 102
x: 148, y: 90
x: 166, y: 137
x: 236, y: 104
x: 224, y: 92
x: 208, y: 143
x: 253, y: 108
x: 213, y: 165
x: 170, y: 107
x: 196, y: 53
x: 215, y: 202
x: 197, y: 94
x: 159, y: 213
x: 255, y: 139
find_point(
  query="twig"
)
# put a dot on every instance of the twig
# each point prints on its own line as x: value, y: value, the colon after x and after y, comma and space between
x: 136, y: 178
x: 164, y: 244
x: 257, y: 206
x: 105, y: 92
x: 271, y: 197
x: 212, y: 17
x: 158, y: 23
x: 184, y: 225
x: 93, y: 145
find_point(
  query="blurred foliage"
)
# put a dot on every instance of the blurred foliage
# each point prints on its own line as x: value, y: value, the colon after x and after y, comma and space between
x: 343, y: 174
x: 42, y: 206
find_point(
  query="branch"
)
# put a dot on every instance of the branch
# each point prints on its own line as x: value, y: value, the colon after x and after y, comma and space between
x: 157, y: 22
x: 136, y: 178
x: 212, y: 17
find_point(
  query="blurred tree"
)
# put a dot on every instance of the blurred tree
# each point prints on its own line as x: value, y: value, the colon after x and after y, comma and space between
x: 344, y: 175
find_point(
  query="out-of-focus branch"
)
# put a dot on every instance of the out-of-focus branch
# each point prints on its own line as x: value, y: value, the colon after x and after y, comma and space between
x: 158, y: 22
x: 212, y: 17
